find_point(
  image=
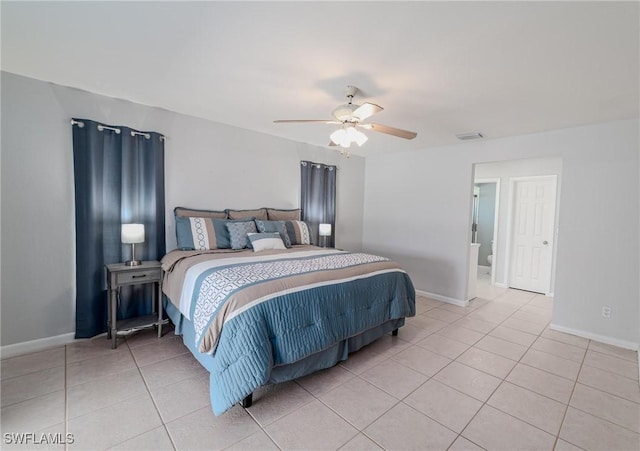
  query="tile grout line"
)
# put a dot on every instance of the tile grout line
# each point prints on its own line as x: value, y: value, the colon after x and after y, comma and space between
x: 485, y: 402
x: 398, y: 401
x: 539, y: 335
x: 263, y: 428
x: 571, y: 397
x: 361, y: 431
x: 459, y: 434
x: 155, y: 405
x: 401, y: 401
x: 505, y: 380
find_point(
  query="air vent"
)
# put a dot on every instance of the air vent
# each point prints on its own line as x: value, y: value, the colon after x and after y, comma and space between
x: 467, y: 136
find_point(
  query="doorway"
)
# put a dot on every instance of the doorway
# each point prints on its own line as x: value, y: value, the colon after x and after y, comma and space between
x: 505, y: 174
x: 485, y: 224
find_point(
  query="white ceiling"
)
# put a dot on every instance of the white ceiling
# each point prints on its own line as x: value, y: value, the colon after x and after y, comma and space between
x: 438, y: 68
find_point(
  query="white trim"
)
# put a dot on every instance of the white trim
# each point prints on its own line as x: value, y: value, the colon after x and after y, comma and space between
x: 439, y: 297
x: 501, y: 285
x: 41, y: 344
x: 597, y: 337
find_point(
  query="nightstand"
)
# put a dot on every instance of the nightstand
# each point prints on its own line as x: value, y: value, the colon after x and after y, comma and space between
x: 119, y: 275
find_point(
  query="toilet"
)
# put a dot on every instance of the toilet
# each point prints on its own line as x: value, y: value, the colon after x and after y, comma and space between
x: 490, y: 256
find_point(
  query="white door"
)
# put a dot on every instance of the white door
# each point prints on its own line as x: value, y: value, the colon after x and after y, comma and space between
x: 532, y: 234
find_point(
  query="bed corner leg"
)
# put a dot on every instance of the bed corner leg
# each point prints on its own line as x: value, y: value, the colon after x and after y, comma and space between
x: 394, y: 332
x: 247, y: 401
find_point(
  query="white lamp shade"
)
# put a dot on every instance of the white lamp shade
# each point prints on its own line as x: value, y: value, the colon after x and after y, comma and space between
x: 325, y: 230
x: 359, y: 137
x: 132, y: 233
x: 341, y: 138
x: 344, y: 137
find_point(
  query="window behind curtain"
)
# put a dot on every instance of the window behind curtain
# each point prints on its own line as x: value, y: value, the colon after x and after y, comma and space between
x: 119, y: 178
x: 318, y: 198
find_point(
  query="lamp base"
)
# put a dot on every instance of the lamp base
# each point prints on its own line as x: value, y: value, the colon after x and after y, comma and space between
x: 133, y: 263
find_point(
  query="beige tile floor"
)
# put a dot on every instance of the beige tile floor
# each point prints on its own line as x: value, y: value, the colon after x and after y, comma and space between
x: 489, y: 376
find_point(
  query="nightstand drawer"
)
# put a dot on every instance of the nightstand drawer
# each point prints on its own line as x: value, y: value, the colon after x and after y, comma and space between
x: 147, y: 275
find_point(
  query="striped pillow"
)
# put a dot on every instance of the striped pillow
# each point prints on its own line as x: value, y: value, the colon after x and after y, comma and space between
x: 299, y: 232
x: 201, y: 234
x: 196, y: 233
x: 266, y: 241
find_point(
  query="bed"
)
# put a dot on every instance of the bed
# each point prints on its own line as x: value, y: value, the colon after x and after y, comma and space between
x: 258, y: 317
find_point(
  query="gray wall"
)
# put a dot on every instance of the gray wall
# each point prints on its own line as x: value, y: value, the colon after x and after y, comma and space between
x: 417, y: 208
x: 416, y: 204
x: 208, y: 165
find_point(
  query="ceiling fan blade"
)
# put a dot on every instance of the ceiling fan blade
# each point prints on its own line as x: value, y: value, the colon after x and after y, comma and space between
x: 406, y: 134
x: 318, y: 121
x: 366, y: 110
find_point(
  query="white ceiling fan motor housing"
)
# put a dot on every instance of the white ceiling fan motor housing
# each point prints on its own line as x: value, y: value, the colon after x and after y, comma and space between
x: 345, y: 112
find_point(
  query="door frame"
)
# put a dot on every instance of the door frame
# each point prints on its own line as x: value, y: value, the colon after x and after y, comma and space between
x: 496, y: 220
x: 511, y: 211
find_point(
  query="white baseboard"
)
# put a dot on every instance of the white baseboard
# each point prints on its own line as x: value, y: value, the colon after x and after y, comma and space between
x: 439, y: 297
x: 500, y: 285
x: 27, y: 347
x: 597, y: 337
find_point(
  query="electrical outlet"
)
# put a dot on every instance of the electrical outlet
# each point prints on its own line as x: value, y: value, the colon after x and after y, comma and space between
x: 606, y: 311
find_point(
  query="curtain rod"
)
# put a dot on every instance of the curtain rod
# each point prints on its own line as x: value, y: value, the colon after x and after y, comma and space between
x: 319, y: 165
x: 102, y: 127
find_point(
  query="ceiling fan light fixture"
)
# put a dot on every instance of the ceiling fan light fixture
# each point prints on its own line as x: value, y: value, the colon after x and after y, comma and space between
x: 356, y: 136
x: 344, y: 137
x: 341, y: 137
x: 351, y: 115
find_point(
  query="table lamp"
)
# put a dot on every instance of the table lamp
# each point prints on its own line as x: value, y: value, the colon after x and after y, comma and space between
x: 325, y: 231
x: 132, y: 234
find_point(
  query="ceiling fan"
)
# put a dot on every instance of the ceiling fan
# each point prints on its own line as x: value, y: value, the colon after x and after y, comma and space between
x: 351, y: 116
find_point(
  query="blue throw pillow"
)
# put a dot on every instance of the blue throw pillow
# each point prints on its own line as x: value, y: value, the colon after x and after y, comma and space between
x: 274, y: 226
x: 238, y: 233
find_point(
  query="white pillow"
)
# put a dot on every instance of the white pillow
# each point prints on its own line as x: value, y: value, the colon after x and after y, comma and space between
x: 265, y: 241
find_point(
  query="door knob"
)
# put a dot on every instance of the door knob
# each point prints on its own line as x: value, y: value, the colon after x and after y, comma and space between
x: 545, y: 242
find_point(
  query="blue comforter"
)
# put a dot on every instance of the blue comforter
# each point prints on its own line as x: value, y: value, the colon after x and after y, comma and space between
x: 254, y: 313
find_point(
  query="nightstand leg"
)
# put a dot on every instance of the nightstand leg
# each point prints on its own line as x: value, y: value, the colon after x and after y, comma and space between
x: 114, y: 330
x: 109, y: 314
x: 159, y: 304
